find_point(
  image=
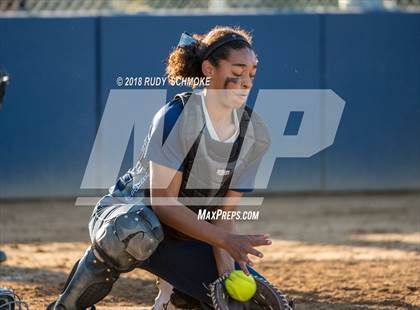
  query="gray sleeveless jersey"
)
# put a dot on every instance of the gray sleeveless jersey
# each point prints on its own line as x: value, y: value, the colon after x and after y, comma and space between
x: 209, y: 165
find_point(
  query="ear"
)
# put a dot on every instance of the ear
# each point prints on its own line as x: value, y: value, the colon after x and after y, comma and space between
x: 207, y: 68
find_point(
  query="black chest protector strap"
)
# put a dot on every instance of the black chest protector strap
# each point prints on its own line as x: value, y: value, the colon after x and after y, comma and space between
x: 192, y: 125
x: 189, y: 136
x: 251, y: 144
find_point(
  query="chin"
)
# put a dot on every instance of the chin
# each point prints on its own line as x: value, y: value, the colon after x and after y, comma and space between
x: 238, y: 102
x: 235, y: 101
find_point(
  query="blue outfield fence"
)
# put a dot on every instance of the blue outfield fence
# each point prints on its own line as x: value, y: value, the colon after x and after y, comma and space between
x: 62, y: 70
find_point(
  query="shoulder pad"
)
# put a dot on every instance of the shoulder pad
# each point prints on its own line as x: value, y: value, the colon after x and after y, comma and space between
x: 183, y: 97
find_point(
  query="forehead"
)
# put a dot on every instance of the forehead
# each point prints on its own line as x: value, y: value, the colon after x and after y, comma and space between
x: 244, y: 56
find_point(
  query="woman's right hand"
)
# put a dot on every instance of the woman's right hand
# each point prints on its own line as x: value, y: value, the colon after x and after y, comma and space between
x: 239, y: 246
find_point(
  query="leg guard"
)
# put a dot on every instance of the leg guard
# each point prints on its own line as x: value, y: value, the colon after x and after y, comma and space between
x: 89, y: 282
x: 127, y: 235
x: 122, y: 236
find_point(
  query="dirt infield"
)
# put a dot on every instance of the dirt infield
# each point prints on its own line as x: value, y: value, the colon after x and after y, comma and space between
x: 330, y: 252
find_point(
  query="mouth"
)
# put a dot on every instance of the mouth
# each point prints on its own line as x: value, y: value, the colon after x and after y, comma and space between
x: 242, y: 95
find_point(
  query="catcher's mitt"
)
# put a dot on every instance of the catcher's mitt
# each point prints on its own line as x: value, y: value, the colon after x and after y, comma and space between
x: 266, y: 297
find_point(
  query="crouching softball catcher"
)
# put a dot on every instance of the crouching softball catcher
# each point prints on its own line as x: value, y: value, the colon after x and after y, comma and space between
x: 169, y: 241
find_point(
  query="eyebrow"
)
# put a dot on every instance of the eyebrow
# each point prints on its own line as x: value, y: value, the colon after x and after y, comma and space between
x: 242, y: 65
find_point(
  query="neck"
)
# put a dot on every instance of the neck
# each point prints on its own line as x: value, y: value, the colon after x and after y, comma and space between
x: 218, y: 112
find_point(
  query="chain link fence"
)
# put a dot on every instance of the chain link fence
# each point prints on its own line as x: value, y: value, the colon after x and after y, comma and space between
x: 106, y: 7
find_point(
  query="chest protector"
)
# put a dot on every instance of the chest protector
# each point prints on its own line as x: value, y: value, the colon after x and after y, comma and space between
x: 209, y: 165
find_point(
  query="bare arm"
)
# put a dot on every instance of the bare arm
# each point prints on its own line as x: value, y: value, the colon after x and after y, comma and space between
x: 225, y: 262
x: 175, y: 214
x: 178, y: 216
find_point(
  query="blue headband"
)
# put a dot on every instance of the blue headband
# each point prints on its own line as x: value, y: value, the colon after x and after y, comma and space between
x: 186, y: 40
x: 223, y: 41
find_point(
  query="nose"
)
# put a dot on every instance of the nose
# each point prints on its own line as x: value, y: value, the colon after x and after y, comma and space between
x: 247, y: 83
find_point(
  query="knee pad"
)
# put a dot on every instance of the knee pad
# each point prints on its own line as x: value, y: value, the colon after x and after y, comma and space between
x: 90, y: 281
x: 128, y: 237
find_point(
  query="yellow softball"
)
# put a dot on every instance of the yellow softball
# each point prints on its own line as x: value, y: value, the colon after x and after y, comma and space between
x: 240, y: 286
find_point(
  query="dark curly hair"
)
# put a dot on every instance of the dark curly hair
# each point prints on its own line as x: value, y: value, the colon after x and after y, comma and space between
x: 185, y: 62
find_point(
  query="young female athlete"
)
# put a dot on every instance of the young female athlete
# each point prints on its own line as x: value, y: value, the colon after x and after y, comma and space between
x: 205, y: 145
